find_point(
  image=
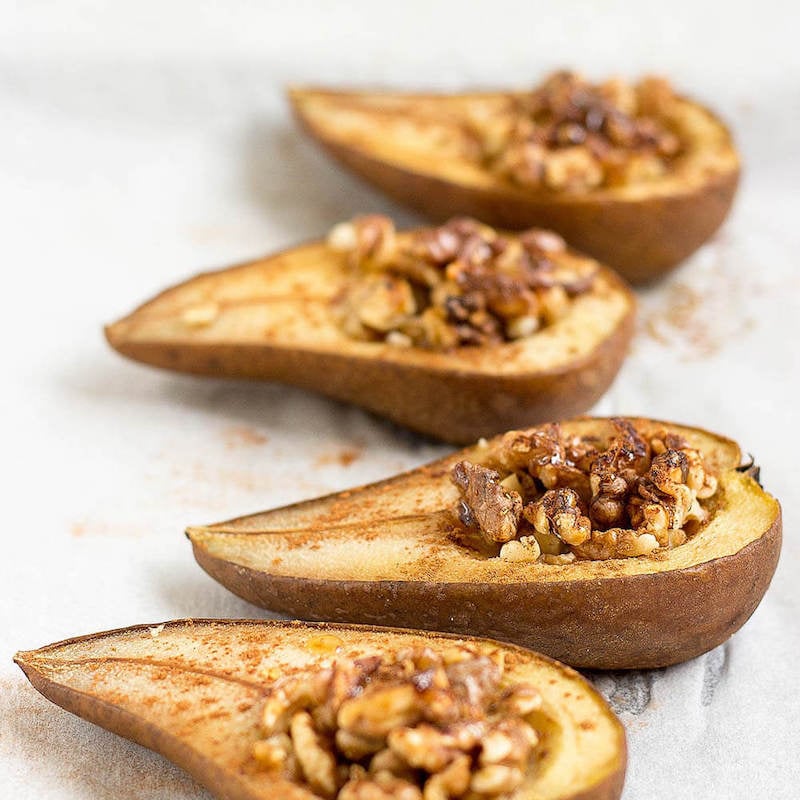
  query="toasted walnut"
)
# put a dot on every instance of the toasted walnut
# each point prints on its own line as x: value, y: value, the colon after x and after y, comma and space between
x: 317, y: 762
x: 381, y: 303
x: 421, y: 724
x: 572, y: 169
x: 583, y: 499
x: 616, y: 543
x: 496, y: 779
x: 273, y: 753
x: 486, y: 503
x: 571, y: 136
x: 526, y: 548
x: 383, y: 786
x: 370, y: 241
x: 424, y: 747
x: 291, y: 695
x: 520, y: 700
x: 558, y: 512
x: 378, y: 710
x: 543, y: 454
x: 665, y: 503
x: 387, y: 760
x: 614, y: 472
x: 452, y: 781
x: 461, y: 284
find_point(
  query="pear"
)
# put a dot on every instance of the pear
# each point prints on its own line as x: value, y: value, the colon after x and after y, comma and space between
x: 276, y: 319
x: 195, y: 691
x: 418, y: 148
x: 390, y: 553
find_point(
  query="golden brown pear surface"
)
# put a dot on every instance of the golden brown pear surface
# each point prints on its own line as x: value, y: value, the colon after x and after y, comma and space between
x: 195, y: 691
x: 385, y: 553
x: 274, y: 319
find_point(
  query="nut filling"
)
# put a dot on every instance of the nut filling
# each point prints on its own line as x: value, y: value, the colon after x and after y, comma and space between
x: 553, y: 499
x: 459, y: 284
x: 419, y: 725
x: 569, y: 135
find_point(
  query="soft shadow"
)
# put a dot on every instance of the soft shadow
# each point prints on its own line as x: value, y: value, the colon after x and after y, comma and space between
x: 48, y: 748
x: 626, y: 691
x: 188, y: 592
x: 303, y: 190
x: 106, y: 380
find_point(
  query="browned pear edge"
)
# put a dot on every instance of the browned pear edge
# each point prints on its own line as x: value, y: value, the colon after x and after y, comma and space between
x: 643, y: 239
x: 614, y: 622
x: 454, y: 405
x: 223, y: 783
x: 623, y: 622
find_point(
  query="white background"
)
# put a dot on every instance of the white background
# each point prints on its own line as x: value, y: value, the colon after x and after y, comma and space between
x: 141, y: 142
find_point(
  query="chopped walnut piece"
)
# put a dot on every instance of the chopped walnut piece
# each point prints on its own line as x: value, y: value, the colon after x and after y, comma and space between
x: 614, y: 472
x: 596, y: 498
x: 543, y: 454
x: 488, y: 505
x: 424, y: 747
x: 571, y: 136
x: 380, y: 709
x: 665, y: 503
x: 461, y: 284
x: 382, y: 302
x: 317, y: 762
x: 381, y: 729
x: 496, y: 779
x: 526, y: 548
x: 616, y: 543
x: 558, y: 512
x: 383, y: 786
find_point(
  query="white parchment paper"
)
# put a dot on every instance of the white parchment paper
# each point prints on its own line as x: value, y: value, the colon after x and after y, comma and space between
x: 142, y: 142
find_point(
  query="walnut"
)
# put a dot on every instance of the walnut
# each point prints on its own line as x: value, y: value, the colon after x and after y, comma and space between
x: 614, y: 472
x: 540, y: 242
x: 572, y: 169
x: 452, y: 781
x: 387, y: 760
x: 524, y: 164
x: 554, y: 302
x: 526, y: 548
x: 558, y: 512
x: 379, y: 728
x: 542, y: 453
x: 461, y: 284
x: 273, y: 753
x: 356, y: 746
x: 376, y: 242
x: 570, y: 135
x: 381, y: 302
x: 665, y: 503
x: 472, y: 681
x: 380, y: 709
x: 291, y: 695
x: 383, y: 786
x: 423, y: 747
x: 494, y: 510
x: 616, y: 543
x: 317, y: 762
x: 496, y: 779
x: 640, y: 494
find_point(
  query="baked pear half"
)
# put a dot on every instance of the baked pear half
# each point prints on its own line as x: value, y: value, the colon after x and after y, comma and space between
x: 605, y: 543
x: 633, y: 174
x: 456, y: 332
x: 256, y: 710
